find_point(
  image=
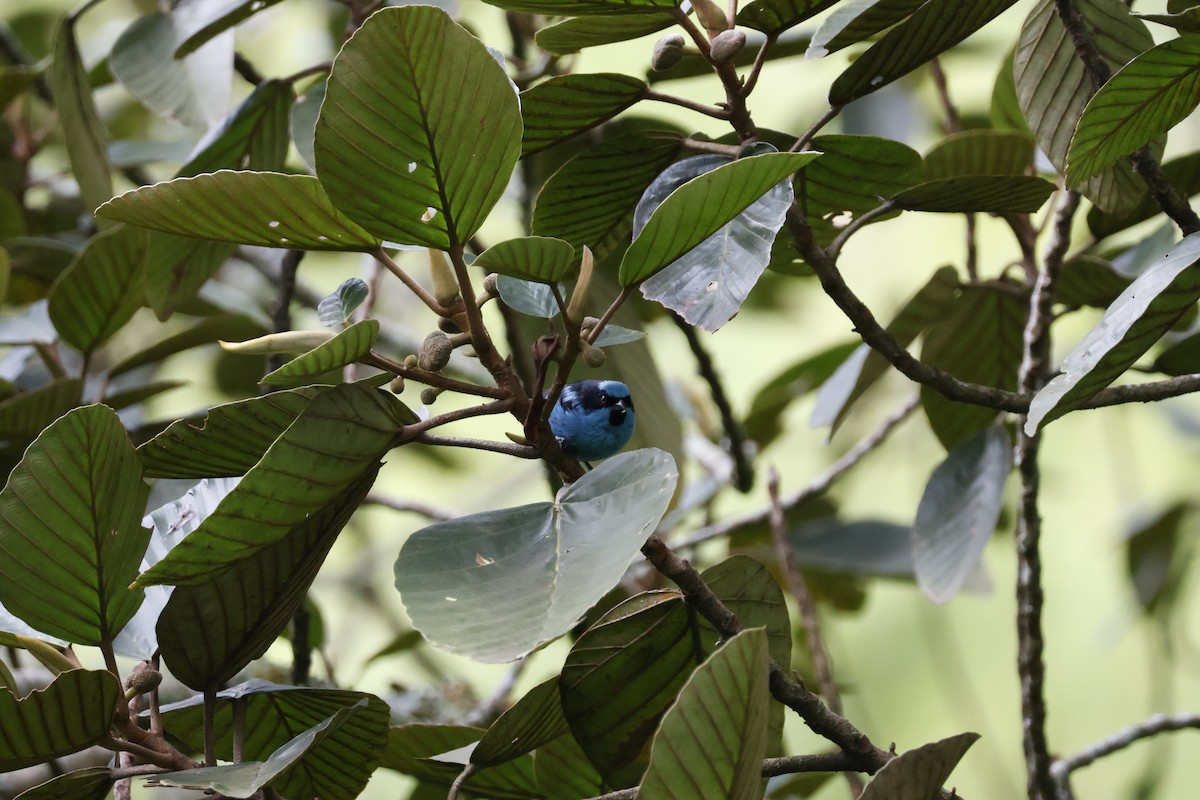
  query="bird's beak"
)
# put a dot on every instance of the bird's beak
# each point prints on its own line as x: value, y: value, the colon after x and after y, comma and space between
x: 626, y: 403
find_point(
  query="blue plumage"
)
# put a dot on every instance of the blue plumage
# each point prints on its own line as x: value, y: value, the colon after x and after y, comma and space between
x: 594, y: 419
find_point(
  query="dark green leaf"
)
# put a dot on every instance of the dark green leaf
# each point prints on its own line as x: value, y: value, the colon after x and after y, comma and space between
x: 86, y: 138
x: 254, y: 136
x: 337, y: 439
x: 411, y: 750
x: 572, y: 35
x: 701, y: 207
x: 564, y: 772
x: 563, y: 106
x: 1053, y: 87
x: 209, y: 631
x: 935, y: 27
x: 1006, y: 108
x: 455, y: 578
x: 1088, y: 281
x: 599, y: 7
x: 864, y: 547
x: 590, y: 199
x: 919, y: 773
x: 1184, y: 21
x: 100, y: 291
x: 268, y: 209
x: 336, y: 309
x: 959, y: 511
x: 716, y: 733
x: 856, y: 21
x: 981, y: 340
x: 773, y: 17
x: 229, y: 16
x: 305, y: 112
x: 336, y: 768
x: 89, y: 783
x: 139, y: 393
x: 25, y: 415
x: 188, y: 90
x: 72, y: 713
x: 1156, y: 555
x: 230, y: 327
x: 349, y: 346
x: 531, y: 258
x: 762, y: 422
x: 1131, y: 325
x: 1182, y: 357
x: 1145, y: 99
x: 999, y: 194
x: 535, y: 719
x: 70, y: 528
x: 176, y: 268
x: 16, y: 78
x: 397, y: 149
x: 980, y: 152
x: 1183, y: 173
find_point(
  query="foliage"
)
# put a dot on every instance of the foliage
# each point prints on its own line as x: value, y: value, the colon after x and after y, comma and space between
x: 190, y: 545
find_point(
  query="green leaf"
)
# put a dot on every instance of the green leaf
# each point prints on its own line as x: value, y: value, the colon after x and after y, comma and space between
x: 1187, y: 20
x: 998, y: 194
x: 857, y: 20
x: 397, y: 149
x: 70, y: 528
x: 336, y: 768
x: 763, y: 422
x: 337, y: 439
x: 1005, y: 112
x: 773, y: 17
x: 623, y: 674
x: 209, y: 330
x: 850, y: 177
x: 1053, y: 87
x: 1088, y: 281
x: 139, y: 393
x: 347, y: 347
x: 100, y: 291
x: 305, y: 112
x: 456, y: 578
x: 865, y: 366
x: 412, y: 750
x: 919, y: 773
x: 1183, y: 173
x: 701, y: 207
x: 191, y: 90
x: 176, y: 268
x: 89, y: 783
x: 531, y: 258
x: 26, y: 414
x: 209, y: 631
x: 73, y: 713
x: 565, y: 105
x: 564, y: 772
x: 229, y: 443
x: 863, y: 547
x: 716, y: 733
x: 268, y: 209
x: 253, y: 136
x: 981, y: 340
x: 535, y: 719
x: 1145, y: 99
x: 935, y: 27
x: 246, y: 778
x: 574, y: 34
x: 1131, y: 325
x: 708, y: 284
x: 980, y: 152
x: 229, y: 16
x: 527, y: 297
x: 336, y: 309
x: 598, y: 7
x: 16, y: 78
x: 87, y: 147
x: 590, y: 199
x: 1157, y: 553
x: 959, y: 511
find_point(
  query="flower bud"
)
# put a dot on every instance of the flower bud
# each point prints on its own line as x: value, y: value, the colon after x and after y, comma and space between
x: 435, y: 351
x: 593, y: 356
x: 726, y: 45
x: 428, y: 395
x: 448, y: 325
x: 667, y: 52
x: 397, y: 385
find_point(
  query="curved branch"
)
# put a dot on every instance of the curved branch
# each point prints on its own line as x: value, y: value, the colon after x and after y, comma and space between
x: 1159, y: 723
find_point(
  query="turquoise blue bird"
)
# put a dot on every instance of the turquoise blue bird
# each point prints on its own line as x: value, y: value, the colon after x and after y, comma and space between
x: 593, y: 419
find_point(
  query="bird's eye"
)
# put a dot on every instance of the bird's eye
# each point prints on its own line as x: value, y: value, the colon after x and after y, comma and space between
x: 603, y: 399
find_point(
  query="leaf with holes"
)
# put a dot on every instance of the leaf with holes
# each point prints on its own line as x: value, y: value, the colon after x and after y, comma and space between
x: 100, y: 291
x: 336, y: 440
x: 1145, y: 99
x: 458, y: 579
x: 397, y: 149
x: 1053, y: 88
x: 565, y: 105
x: 73, y: 713
x: 959, y: 511
x: 1131, y: 325
x: 70, y: 529
x: 716, y: 733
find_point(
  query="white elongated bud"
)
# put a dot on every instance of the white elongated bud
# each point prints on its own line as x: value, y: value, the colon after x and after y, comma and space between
x: 285, y: 342
x: 445, y: 285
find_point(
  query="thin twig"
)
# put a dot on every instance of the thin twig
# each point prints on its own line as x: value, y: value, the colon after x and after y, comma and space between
x: 429, y: 378
x: 742, y: 464
x: 1030, y: 596
x: 702, y: 146
x: 409, y: 506
x: 817, y: 486
x: 507, y: 448
x: 606, y: 317
x: 815, y: 128
x: 856, y: 224
x: 1159, y: 723
x: 760, y: 59
x: 425, y: 297
x: 683, y: 102
x: 459, y: 781
x: 139, y: 770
